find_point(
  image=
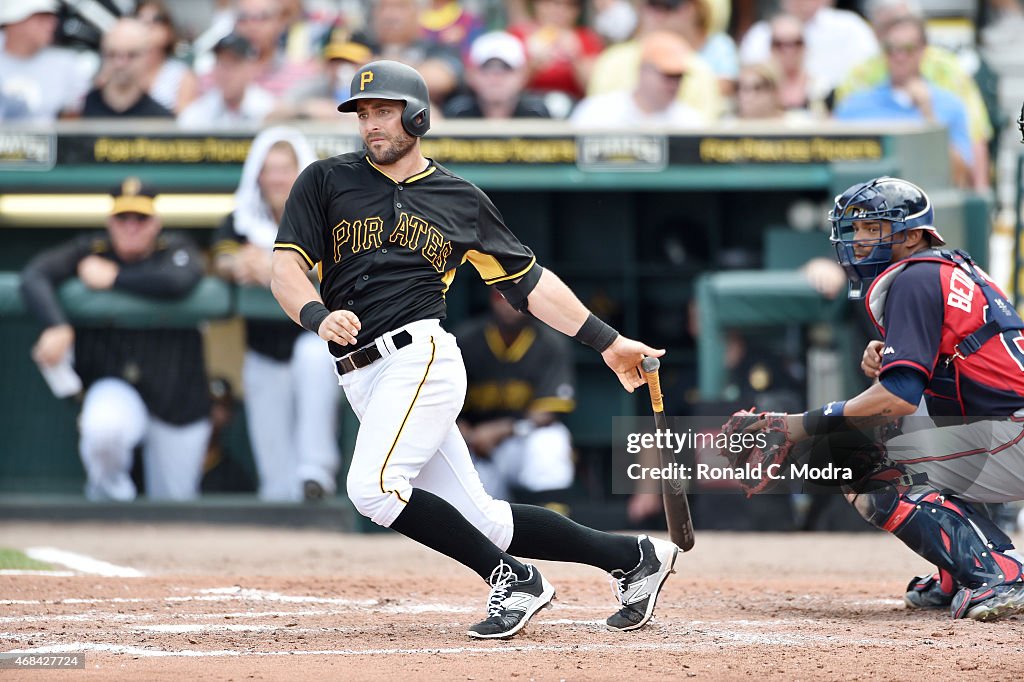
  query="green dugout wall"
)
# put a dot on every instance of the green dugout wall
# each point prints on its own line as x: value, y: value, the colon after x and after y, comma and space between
x: 637, y: 223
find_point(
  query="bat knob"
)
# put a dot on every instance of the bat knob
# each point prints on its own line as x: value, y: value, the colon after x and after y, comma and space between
x: 650, y: 365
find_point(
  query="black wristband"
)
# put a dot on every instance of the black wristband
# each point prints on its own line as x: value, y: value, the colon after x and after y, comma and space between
x: 312, y: 315
x: 818, y: 423
x: 596, y: 334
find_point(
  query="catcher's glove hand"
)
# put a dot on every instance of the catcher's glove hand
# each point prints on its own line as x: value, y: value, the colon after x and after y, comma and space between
x: 771, y: 445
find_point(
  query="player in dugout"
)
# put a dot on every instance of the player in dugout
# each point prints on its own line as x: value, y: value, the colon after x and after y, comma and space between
x: 520, y: 381
x: 143, y: 386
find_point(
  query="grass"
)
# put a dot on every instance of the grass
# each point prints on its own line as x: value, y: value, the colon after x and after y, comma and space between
x: 12, y: 559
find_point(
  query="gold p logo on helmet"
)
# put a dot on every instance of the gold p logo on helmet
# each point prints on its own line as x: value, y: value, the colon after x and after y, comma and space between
x: 365, y: 78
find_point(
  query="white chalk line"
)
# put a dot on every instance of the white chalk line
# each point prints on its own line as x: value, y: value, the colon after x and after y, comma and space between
x: 293, y: 618
x: 707, y: 633
x: 74, y: 600
x: 239, y: 594
x: 106, y: 615
x: 236, y: 593
x: 81, y: 563
x: 185, y: 629
x: 876, y: 602
x: 486, y: 649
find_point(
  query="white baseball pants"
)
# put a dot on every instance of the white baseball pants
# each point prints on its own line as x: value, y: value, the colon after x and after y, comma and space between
x: 292, y: 417
x: 979, y: 462
x: 407, y: 403
x: 113, y: 422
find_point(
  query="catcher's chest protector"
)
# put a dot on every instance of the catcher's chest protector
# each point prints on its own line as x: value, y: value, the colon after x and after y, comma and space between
x: 994, y: 376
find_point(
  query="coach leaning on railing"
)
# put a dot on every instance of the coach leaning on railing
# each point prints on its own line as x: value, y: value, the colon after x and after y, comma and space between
x: 143, y: 386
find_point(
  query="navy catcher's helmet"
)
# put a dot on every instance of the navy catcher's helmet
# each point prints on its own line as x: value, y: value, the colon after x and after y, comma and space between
x: 386, y: 79
x: 902, y: 204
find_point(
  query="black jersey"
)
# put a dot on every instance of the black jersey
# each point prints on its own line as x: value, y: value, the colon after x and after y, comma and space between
x: 95, y: 106
x: 388, y: 250
x: 166, y: 366
x: 533, y: 373
x: 273, y: 339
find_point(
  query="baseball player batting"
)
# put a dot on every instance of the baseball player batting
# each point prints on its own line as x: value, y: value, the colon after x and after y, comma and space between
x: 951, y: 336
x: 387, y: 229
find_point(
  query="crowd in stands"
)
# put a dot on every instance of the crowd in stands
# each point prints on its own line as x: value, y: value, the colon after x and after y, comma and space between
x: 597, y: 63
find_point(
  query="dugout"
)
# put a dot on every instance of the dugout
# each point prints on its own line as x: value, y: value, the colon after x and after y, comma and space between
x: 635, y: 222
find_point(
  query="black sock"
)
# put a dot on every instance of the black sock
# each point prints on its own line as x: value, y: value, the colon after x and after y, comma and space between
x: 540, y: 533
x: 431, y: 521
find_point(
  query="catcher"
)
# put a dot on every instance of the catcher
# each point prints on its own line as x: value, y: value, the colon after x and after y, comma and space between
x: 951, y: 337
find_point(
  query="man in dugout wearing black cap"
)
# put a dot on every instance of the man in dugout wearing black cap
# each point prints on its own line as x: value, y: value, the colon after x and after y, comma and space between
x: 144, y: 386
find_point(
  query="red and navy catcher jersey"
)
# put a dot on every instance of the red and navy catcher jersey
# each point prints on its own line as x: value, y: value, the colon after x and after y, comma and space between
x: 925, y: 307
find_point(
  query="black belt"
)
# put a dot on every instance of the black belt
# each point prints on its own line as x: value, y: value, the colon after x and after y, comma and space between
x: 358, y: 359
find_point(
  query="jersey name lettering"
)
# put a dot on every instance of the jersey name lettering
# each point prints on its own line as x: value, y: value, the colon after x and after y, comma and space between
x: 359, y: 235
x: 433, y: 246
x: 961, y: 290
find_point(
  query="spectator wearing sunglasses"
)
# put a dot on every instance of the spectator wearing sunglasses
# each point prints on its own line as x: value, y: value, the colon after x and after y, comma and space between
x: 758, y: 96
x: 908, y: 96
x: 716, y: 48
x: 618, y: 67
x: 665, y: 61
x: 836, y: 40
x: 798, y: 89
x: 940, y: 67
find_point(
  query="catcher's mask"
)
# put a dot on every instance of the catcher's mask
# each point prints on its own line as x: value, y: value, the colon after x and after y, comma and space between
x: 903, y: 205
x: 386, y: 79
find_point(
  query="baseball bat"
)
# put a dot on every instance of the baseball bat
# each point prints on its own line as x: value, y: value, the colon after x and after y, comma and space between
x: 673, y: 492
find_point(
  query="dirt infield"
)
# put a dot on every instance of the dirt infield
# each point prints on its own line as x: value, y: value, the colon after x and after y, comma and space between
x: 247, y: 603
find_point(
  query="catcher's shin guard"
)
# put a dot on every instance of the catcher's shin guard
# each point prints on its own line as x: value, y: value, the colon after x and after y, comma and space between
x: 947, y: 532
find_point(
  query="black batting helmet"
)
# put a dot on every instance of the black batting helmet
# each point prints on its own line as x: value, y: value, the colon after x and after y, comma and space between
x: 386, y: 79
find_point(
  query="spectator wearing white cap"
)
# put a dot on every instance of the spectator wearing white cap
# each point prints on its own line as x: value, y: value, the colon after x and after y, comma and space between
x: 37, y: 82
x: 497, y: 73
x: 665, y: 62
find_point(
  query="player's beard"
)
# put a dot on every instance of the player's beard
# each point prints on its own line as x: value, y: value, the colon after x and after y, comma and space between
x: 398, y: 148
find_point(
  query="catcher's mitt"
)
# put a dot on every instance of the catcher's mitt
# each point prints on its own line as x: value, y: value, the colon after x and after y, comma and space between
x: 772, y: 447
